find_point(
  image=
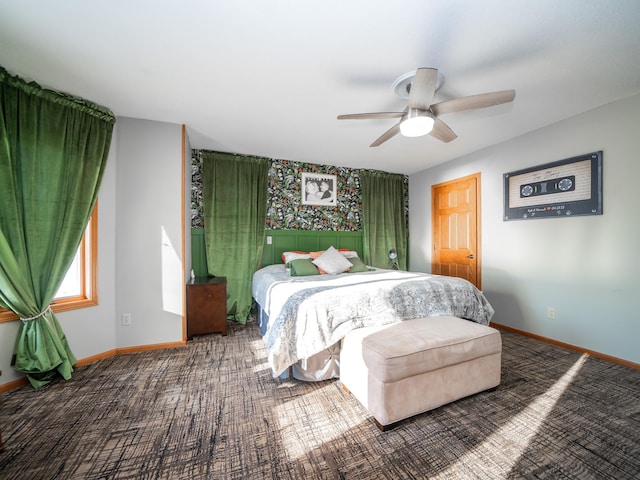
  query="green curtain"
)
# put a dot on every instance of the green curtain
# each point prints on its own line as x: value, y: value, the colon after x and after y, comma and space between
x: 384, y: 221
x: 234, y: 190
x: 53, y: 151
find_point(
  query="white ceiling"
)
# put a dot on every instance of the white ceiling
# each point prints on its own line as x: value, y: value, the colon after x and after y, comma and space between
x: 268, y: 78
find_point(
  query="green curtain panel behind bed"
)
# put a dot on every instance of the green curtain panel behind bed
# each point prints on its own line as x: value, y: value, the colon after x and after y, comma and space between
x: 384, y: 225
x: 53, y: 151
x: 234, y: 189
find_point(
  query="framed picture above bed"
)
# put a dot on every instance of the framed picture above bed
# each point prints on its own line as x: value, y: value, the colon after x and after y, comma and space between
x: 319, y: 189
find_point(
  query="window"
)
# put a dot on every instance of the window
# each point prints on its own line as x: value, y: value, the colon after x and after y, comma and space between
x: 79, y: 287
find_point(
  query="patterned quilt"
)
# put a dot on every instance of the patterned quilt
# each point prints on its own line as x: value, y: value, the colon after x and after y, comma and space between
x: 309, y: 314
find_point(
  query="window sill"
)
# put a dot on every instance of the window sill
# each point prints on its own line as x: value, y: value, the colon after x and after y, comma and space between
x: 65, y: 305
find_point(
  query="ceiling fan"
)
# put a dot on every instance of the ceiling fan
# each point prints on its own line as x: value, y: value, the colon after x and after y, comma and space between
x: 421, y: 117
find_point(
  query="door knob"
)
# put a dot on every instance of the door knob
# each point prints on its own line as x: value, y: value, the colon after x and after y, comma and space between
x: 470, y: 256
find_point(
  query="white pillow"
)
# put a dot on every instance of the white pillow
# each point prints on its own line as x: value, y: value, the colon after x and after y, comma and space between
x: 288, y: 256
x: 332, y: 262
x: 349, y: 253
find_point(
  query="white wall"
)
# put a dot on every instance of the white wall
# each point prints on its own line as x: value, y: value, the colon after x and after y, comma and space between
x: 8, y: 332
x: 585, y: 267
x: 149, y: 228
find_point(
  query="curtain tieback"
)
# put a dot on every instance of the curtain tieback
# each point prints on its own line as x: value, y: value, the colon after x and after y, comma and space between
x: 37, y: 316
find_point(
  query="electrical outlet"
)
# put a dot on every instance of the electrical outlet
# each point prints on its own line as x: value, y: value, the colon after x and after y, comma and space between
x: 126, y: 319
x: 551, y: 313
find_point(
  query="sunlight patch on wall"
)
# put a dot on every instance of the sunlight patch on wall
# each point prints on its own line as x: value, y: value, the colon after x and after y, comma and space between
x: 171, y: 276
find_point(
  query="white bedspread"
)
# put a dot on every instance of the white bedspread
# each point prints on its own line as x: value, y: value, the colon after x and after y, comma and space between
x: 308, y: 314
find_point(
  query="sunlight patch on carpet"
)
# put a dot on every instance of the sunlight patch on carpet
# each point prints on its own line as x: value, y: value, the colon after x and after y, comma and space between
x: 311, y: 420
x: 520, y: 431
x: 259, y: 348
x: 260, y: 354
x: 261, y: 367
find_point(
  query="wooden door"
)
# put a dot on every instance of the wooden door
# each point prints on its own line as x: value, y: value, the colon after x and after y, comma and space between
x: 456, y: 228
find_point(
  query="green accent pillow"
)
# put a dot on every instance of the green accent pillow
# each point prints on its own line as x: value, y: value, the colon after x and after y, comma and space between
x: 358, y: 265
x: 302, y: 267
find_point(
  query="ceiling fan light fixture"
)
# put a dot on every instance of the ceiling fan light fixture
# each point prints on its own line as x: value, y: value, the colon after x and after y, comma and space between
x: 417, y: 123
x: 402, y: 85
x: 422, y: 116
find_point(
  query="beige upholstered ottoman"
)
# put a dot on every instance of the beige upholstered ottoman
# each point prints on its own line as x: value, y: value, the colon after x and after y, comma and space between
x: 399, y: 370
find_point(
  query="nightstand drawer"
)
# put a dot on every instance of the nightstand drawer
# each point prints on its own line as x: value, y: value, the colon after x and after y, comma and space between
x: 206, y: 306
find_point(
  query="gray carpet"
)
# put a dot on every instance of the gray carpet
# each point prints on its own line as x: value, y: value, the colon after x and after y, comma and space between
x: 212, y: 411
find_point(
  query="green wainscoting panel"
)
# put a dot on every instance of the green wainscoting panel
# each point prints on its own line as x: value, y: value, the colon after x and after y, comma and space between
x: 307, y: 241
x: 281, y: 241
x: 198, y: 253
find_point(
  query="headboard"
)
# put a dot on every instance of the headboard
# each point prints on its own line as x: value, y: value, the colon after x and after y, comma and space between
x: 306, y: 241
x: 281, y: 241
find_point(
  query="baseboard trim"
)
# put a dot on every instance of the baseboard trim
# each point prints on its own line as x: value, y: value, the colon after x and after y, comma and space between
x: 575, y: 348
x: 94, y: 358
x: 12, y: 385
x: 144, y: 348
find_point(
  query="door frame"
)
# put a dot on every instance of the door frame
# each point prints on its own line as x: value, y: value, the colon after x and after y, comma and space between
x: 435, y: 230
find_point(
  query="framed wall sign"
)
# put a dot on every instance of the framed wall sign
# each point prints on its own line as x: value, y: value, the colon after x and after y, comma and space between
x: 319, y: 189
x: 558, y: 189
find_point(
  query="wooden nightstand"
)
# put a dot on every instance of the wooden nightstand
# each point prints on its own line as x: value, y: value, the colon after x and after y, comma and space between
x: 206, y: 306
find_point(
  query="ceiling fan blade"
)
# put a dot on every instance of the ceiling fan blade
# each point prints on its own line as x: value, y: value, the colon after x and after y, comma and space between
x: 423, y: 88
x: 392, y: 132
x: 474, y: 101
x: 442, y: 132
x: 359, y: 116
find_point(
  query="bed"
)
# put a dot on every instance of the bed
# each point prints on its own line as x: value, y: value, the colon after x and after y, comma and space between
x: 303, y: 318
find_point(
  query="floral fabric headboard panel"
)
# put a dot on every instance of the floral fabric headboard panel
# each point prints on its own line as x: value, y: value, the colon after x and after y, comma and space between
x: 278, y: 241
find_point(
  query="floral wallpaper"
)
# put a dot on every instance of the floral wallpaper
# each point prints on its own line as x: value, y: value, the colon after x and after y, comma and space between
x: 197, y: 220
x: 285, y: 210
